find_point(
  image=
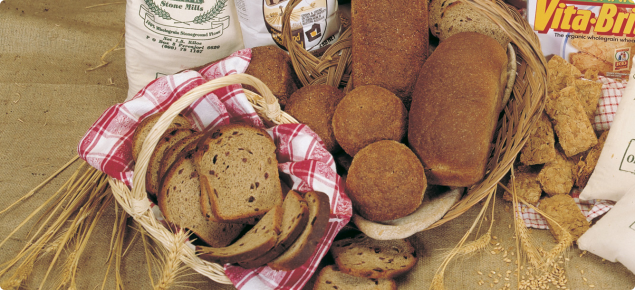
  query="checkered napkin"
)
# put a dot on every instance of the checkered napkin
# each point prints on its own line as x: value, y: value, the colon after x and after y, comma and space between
x: 612, y: 91
x: 302, y: 158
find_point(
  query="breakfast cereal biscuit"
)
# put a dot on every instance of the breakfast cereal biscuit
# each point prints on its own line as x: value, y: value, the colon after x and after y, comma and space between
x: 540, y: 147
x: 557, y: 177
x: 603, y: 50
x: 589, y: 93
x: 560, y: 73
x: 585, y: 62
x: 563, y: 210
x: 591, y: 74
x: 586, y: 166
x: 570, y: 122
x: 526, y: 185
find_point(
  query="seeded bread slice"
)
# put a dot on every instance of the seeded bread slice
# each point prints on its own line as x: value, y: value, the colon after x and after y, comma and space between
x: 168, y: 139
x: 179, y: 203
x: 331, y: 278
x: 461, y: 17
x: 306, y: 243
x: 239, y: 172
x: 170, y: 155
x: 363, y: 256
x: 295, y: 216
x: 257, y: 241
x: 146, y: 124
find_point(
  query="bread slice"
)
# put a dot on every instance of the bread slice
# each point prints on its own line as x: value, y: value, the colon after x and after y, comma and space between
x: 363, y: 256
x: 331, y: 278
x: 170, y: 155
x: 462, y: 17
x: 295, y: 216
x: 179, y: 203
x: 257, y: 241
x: 168, y: 139
x: 306, y: 243
x: 142, y: 130
x: 435, y: 12
x: 239, y: 172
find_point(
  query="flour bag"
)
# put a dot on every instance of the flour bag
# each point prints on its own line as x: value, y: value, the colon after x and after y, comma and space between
x: 167, y: 36
x: 314, y: 23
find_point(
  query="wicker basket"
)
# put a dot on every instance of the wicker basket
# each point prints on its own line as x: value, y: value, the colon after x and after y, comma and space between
x: 333, y: 68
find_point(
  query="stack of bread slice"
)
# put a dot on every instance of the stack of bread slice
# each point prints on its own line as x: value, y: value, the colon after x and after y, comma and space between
x: 223, y: 186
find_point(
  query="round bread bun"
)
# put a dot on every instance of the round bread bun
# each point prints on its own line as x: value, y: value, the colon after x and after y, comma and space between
x: 386, y: 181
x: 314, y: 106
x: 366, y: 115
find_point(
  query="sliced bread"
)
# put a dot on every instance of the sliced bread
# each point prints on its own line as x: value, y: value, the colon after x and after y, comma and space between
x: 179, y: 203
x: 363, y: 256
x: 238, y: 172
x: 142, y: 130
x: 168, y: 139
x: 435, y: 12
x: 331, y: 278
x: 304, y: 246
x: 170, y: 155
x: 295, y: 216
x: 257, y: 241
x: 462, y: 17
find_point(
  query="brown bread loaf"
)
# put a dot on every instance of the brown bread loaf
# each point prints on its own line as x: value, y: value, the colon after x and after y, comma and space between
x: 390, y: 44
x: 272, y: 66
x: 362, y: 256
x: 144, y: 127
x: 239, y: 172
x: 386, y: 181
x: 168, y: 139
x: 294, y: 217
x: 304, y: 246
x: 455, y: 108
x: 178, y: 200
x: 331, y: 278
x: 257, y: 241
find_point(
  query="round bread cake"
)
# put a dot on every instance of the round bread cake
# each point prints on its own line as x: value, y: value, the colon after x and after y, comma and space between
x: 386, y: 181
x: 314, y: 106
x: 366, y: 115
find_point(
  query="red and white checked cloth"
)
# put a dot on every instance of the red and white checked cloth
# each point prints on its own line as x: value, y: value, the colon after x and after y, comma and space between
x: 612, y: 91
x: 301, y: 155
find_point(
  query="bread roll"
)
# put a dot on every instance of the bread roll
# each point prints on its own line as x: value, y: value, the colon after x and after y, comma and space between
x: 455, y: 107
x: 390, y: 44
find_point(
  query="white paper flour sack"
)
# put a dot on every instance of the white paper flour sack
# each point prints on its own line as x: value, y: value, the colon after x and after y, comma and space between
x: 613, y: 236
x: 314, y: 23
x: 166, y: 36
x: 614, y: 173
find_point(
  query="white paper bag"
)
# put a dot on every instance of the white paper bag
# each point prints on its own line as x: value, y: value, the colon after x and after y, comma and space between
x: 166, y: 36
x: 613, y: 236
x: 614, y: 173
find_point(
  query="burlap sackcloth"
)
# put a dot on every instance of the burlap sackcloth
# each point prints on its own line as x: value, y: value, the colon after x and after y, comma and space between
x: 48, y: 99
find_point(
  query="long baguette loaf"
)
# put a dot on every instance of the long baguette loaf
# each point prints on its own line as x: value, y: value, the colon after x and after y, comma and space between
x: 455, y: 107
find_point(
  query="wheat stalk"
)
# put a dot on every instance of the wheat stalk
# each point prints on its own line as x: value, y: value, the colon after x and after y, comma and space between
x: 171, y: 259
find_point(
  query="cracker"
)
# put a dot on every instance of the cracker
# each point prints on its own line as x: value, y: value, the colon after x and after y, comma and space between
x: 566, y: 213
x: 570, y: 122
x: 526, y: 186
x: 560, y: 73
x: 540, y: 147
x: 589, y: 93
x: 557, y: 177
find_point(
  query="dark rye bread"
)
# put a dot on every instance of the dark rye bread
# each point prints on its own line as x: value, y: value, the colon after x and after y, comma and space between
x: 142, y: 130
x: 331, y: 278
x: 168, y: 139
x: 179, y: 203
x: 170, y: 155
x: 239, y: 172
x: 306, y: 243
x: 257, y: 241
x: 362, y: 256
x: 295, y: 216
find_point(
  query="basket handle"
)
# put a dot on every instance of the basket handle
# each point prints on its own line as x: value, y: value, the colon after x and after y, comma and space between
x: 271, y: 108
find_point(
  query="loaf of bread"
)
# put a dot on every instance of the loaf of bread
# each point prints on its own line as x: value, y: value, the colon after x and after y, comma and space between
x: 390, y: 44
x: 455, y: 108
x: 331, y: 278
x: 238, y: 172
x: 178, y: 200
x: 272, y: 66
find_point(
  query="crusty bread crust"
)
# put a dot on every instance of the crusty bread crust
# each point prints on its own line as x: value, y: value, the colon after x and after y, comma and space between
x: 455, y: 108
